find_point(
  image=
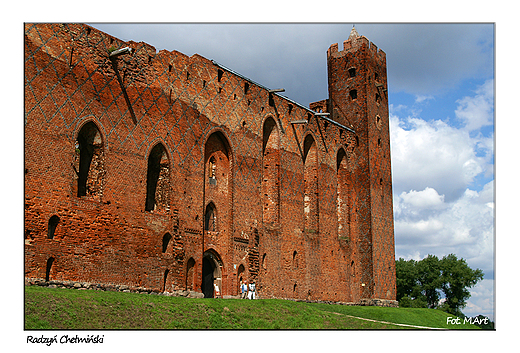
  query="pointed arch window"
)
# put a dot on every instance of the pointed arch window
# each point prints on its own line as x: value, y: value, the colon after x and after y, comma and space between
x: 158, y: 179
x: 89, y: 161
x: 310, y: 200
x: 210, y: 218
x: 51, y: 229
x: 271, y: 172
x: 166, y: 241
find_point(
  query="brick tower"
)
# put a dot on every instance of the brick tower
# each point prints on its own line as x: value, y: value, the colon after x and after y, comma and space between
x: 358, y: 99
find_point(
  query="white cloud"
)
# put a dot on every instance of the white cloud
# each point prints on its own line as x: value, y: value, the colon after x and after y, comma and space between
x: 426, y: 224
x: 423, y: 98
x: 439, y: 208
x: 477, y: 111
x: 428, y: 198
x: 433, y: 154
x: 463, y: 227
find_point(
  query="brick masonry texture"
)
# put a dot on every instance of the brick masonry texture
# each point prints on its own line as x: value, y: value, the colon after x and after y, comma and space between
x: 173, y: 173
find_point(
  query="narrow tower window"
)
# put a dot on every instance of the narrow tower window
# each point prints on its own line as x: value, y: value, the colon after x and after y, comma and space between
x: 352, y: 72
x: 353, y: 94
x: 342, y: 197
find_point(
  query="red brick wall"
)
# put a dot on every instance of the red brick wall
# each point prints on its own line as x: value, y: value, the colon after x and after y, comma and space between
x: 197, y: 110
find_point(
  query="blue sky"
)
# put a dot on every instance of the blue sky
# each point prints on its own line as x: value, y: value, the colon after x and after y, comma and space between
x: 441, y: 95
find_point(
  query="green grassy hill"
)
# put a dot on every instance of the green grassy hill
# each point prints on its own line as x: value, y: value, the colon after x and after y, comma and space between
x: 47, y: 308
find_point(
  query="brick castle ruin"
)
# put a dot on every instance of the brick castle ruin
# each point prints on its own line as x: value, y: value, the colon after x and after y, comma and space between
x: 162, y: 171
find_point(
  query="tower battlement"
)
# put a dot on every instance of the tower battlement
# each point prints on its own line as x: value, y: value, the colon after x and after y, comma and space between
x: 353, y: 43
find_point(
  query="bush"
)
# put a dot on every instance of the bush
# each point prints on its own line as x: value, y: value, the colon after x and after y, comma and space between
x: 408, y: 302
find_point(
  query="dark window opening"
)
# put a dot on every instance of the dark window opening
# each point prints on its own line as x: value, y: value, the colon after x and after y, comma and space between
x: 165, y: 241
x: 219, y: 74
x: 89, y: 146
x: 187, y: 76
x: 352, y: 72
x: 53, y: 223
x: 164, y: 281
x: 157, y: 179
x: 353, y: 94
x: 290, y: 108
x: 246, y: 87
x: 170, y: 68
x: 50, y: 261
x: 210, y: 218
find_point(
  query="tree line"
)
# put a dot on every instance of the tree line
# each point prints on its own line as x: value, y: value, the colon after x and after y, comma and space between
x: 436, y: 283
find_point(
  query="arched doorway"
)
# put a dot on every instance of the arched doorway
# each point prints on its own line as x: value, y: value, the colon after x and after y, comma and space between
x: 211, y: 273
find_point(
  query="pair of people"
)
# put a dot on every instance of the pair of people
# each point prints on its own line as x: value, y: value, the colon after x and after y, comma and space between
x: 248, y: 292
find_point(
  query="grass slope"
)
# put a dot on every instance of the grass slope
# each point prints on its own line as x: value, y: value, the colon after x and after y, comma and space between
x: 47, y: 308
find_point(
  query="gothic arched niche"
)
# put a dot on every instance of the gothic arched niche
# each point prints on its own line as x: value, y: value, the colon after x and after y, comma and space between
x: 89, y: 166
x: 310, y: 176
x: 217, y: 184
x: 158, y: 179
x: 271, y: 172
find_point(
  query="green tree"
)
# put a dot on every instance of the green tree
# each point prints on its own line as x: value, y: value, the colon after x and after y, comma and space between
x: 406, y: 276
x: 423, y: 283
x: 429, y: 279
x: 456, y: 279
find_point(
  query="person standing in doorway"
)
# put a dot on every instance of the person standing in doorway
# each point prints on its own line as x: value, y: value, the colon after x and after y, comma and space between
x: 217, y: 291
